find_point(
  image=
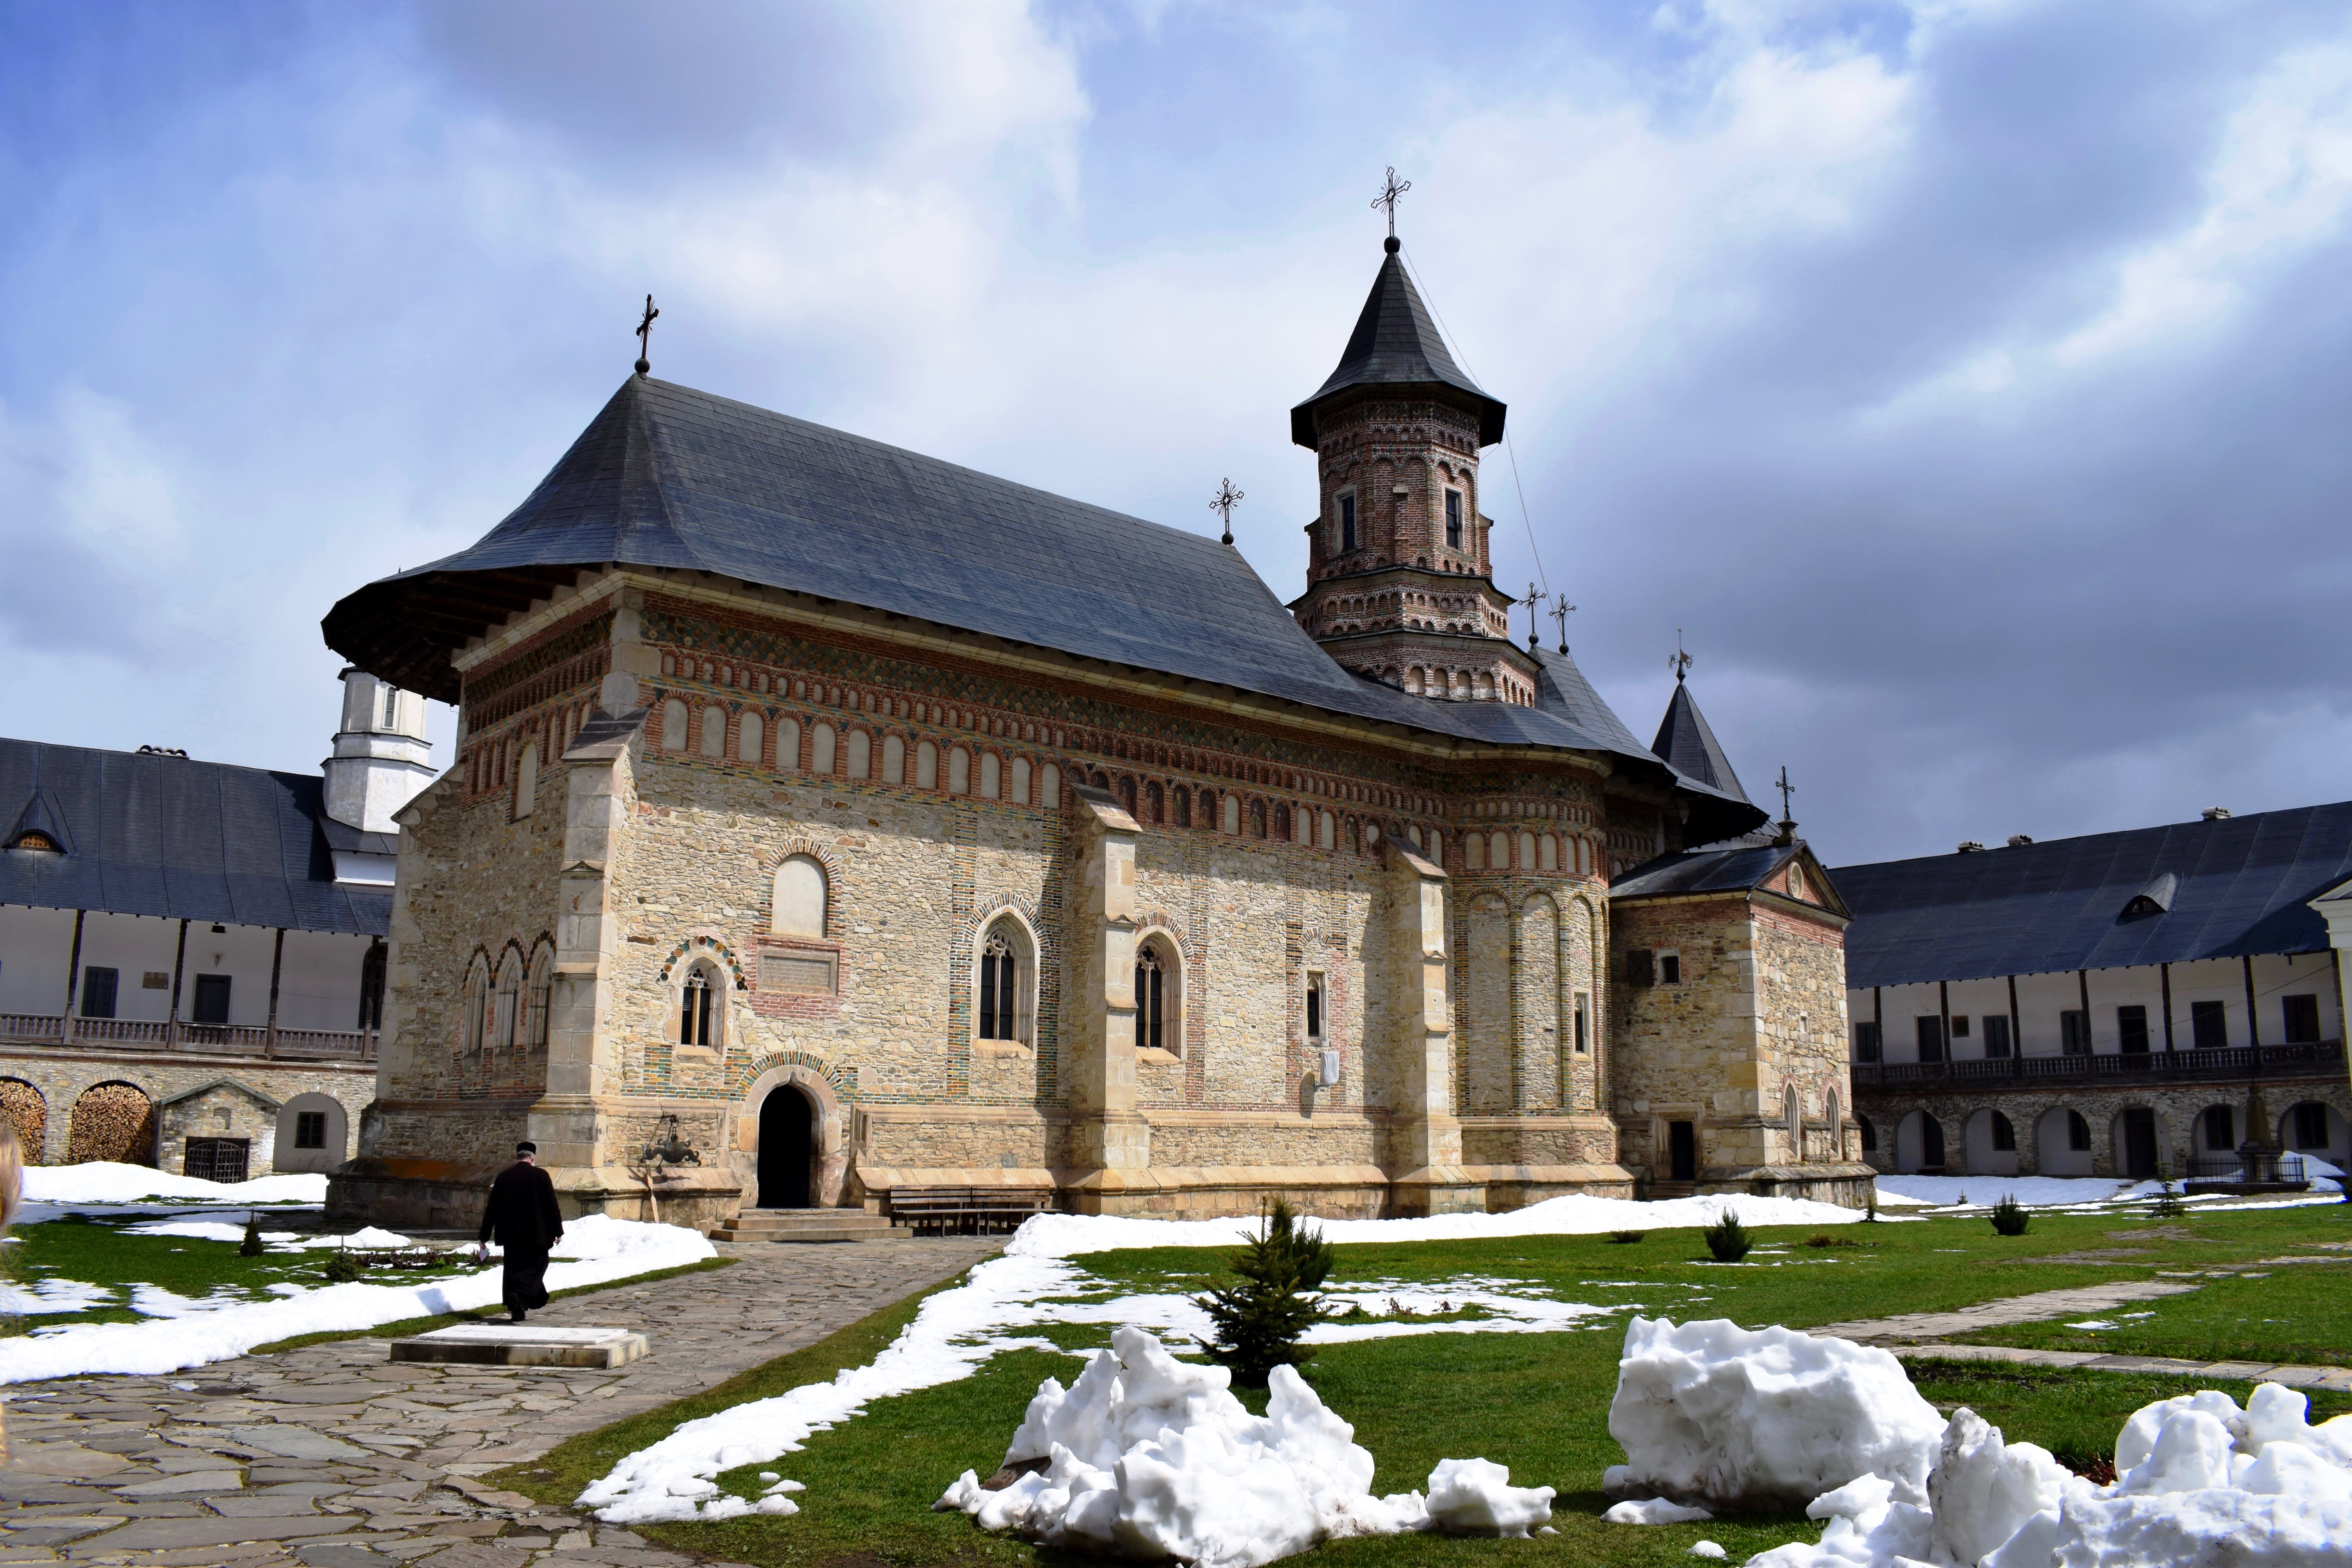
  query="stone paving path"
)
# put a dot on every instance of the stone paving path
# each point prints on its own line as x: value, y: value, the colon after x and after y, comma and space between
x: 330, y: 1457
x: 2333, y: 1379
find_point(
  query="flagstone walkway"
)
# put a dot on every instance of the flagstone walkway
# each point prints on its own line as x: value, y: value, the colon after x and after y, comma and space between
x: 330, y: 1457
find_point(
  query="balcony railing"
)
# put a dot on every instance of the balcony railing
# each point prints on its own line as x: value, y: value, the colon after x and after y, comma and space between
x: 221, y: 1039
x: 2034, y: 1072
x: 2222, y: 1166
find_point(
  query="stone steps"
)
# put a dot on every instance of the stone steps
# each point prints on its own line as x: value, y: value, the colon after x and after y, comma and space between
x: 808, y: 1225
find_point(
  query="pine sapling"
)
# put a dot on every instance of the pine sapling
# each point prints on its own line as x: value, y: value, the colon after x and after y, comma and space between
x: 1258, y: 1321
x: 2008, y: 1217
x: 2167, y: 1203
x: 251, y: 1245
x: 1727, y: 1238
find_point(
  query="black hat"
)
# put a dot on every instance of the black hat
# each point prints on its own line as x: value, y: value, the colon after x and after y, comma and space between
x: 526, y: 1147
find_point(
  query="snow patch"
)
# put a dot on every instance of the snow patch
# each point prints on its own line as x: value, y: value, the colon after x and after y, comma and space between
x: 107, y: 1182
x: 217, y: 1327
x: 1654, y: 1511
x: 1760, y: 1419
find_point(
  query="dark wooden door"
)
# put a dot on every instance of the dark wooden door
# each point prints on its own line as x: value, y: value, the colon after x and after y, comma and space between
x: 787, y: 1148
x: 1681, y: 1149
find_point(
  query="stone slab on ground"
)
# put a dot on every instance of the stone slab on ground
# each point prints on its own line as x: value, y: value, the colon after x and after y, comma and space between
x: 382, y: 1448
x: 523, y: 1344
x: 2331, y: 1379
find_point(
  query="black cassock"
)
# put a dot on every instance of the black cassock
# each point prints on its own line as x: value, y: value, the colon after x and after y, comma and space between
x: 522, y: 1217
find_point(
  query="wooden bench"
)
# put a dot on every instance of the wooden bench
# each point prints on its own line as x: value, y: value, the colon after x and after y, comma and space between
x: 967, y: 1211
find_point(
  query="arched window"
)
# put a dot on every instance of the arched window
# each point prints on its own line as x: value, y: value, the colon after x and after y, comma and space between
x: 788, y: 744
x: 999, y: 983
x: 894, y: 760
x: 475, y: 1007
x: 699, y: 1012
x: 1870, y: 1133
x: 509, y: 1002
x: 926, y: 766
x: 820, y: 748
x: 860, y: 746
x: 1153, y: 1002
x: 1155, y: 804
x: 1550, y: 852
x: 1282, y: 822
x: 1049, y: 787
x: 673, y: 725
x: 526, y: 792
x: 1126, y: 796
x: 1792, y: 1108
x: 1231, y: 807
x: 391, y: 709
x: 992, y: 775
x: 542, y: 998
x: 958, y: 771
x: 1837, y: 1128
x: 748, y: 734
x: 2078, y: 1132
x: 372, y: 986
x: 801, y: 895
x: 1019, y: 793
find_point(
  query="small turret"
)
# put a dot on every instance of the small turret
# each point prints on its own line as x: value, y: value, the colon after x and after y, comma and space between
x: 382, y: 757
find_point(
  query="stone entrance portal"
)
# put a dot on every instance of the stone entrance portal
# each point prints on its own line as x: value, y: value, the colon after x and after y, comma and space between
x: 787, y: 1149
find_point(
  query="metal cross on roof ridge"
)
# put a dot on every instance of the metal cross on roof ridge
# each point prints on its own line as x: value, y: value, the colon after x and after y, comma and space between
x: 1532, y: 601
x: 646, y: 337
x: 1786, y: 789
x: 1680, y: 664
x: 1391, y: 189
x: 1560, y: 610
x: 1222, y: 505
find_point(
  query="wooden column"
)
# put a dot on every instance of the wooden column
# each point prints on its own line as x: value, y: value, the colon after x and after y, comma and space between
x: 2164, y: 974
x: 73, y: 983
x: 2254, y: 1019
x: 276, y: 967
x: 179, y: 968
x: 2016, y: 1031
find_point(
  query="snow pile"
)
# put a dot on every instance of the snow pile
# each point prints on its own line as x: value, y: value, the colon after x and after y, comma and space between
x: 956, y: 1330
x: 105, y: 1182
x: 2199, y: 1482
x: 1070, y: 1234
x: 1654, y: 1511
x: 1714, y: 1414
x: 208, y: 1330
x: 1146, y: 1456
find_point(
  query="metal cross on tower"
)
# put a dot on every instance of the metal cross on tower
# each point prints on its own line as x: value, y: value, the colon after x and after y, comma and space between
x: 1533, y: 600
x: 1786, y: 789
x: 1391, y: 189
x: 645, y: 336
x: 1222, y: 505
x: 1680, y: 664
x: 1560, y: 610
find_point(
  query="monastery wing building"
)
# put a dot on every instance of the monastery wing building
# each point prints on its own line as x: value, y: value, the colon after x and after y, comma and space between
x: 894, y: 837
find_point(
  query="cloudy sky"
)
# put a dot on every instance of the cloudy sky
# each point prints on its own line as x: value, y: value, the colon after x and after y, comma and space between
x: 1968, y: 381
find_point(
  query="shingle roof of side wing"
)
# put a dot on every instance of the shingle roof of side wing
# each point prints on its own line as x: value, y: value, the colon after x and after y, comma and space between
x: 2242, y: 887
x: 165, y: 835
x: 668, y: 477
x: 1688, y: 744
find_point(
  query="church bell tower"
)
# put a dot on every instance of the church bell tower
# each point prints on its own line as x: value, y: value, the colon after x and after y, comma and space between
x: 1400, y: 584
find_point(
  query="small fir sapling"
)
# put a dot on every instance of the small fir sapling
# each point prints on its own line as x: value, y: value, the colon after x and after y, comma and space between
x: 251, y: 1245
x: 1626, y: 1235
x: 2167, y: 1203
x: 1870, y: 1205
x: 1258, y: 1322
x: 2008, y: 1217
x: 1727, y: 1238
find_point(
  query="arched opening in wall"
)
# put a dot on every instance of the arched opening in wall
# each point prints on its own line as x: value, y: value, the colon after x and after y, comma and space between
x: 1991, y: 1144
x: 1836, y: 1120
x: 1155, y: 804
x: 1869, y: 1132
x: 702, y: 1007
x: 112, y: 1122
x: 1919, y: 1145
x: 314, y: 1133
x: 1005, y: 982
x: 2216, y: 1130
x: 2062, y: 1144
x: 2311, y: 1127
x: 508, y: 1016
x: 2136, y: 1145
x: 1159, y: 994
x: 750, y: 735
x: 798, y: 906
x: 473, y: 1007
x: 714, y: 732
x: 1126, y: 796
x: 1792, y: 1117
x: 24, y: 1109
x: 787, y: 1148
x: 1257, y: 820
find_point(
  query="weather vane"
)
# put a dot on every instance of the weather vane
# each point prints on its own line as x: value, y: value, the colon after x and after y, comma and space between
x: 1222, y: 505
x: 1532, y: 601
x: 1680, y: 664
x: 1391, y: 189
x: 645, y: 336
x: 1560, y: 610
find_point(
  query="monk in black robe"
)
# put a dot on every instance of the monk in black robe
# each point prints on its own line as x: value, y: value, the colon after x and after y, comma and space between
x: 522, y: 1217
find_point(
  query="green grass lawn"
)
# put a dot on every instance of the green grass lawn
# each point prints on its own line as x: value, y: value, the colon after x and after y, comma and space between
x: 2296, y: 1314
x: 1537, y: 1402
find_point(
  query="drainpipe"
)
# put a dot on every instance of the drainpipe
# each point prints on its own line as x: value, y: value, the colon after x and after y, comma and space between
x: 73, y: 982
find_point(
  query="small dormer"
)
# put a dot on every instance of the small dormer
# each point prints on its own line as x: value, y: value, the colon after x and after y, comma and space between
x: 38, y: 829
x: 2156, y: 899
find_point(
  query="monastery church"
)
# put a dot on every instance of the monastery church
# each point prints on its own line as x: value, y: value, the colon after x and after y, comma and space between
x: 833, y: 826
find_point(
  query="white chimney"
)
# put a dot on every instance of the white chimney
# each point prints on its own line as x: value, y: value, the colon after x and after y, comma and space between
x: 382, y: 757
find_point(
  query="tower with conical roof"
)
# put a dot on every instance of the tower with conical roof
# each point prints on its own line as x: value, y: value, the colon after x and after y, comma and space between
x: 1687, y: 744
x: 1399, y: 580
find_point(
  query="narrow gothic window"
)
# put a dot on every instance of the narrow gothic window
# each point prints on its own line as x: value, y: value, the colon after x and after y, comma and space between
x: 1453, y: 520
x: 997, y: 984
x: 1148, y: 1001
x: 694, y: 1024
x: 541, y: 997
x: 508, y: 1005
x: 1315, y: 1007
x: 1347, y: 524
x: 391, y: 708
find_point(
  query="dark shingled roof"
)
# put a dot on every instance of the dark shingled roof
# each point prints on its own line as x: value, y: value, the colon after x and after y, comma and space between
x: 1395, y: 343
x: 668, y: 477
x: 1689, y: 746
x: 151, y: 835
x: 1731, y: 867
x: 2241, y: 886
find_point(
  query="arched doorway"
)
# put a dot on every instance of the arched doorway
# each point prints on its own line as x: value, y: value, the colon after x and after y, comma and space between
x: 787, y: 1148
